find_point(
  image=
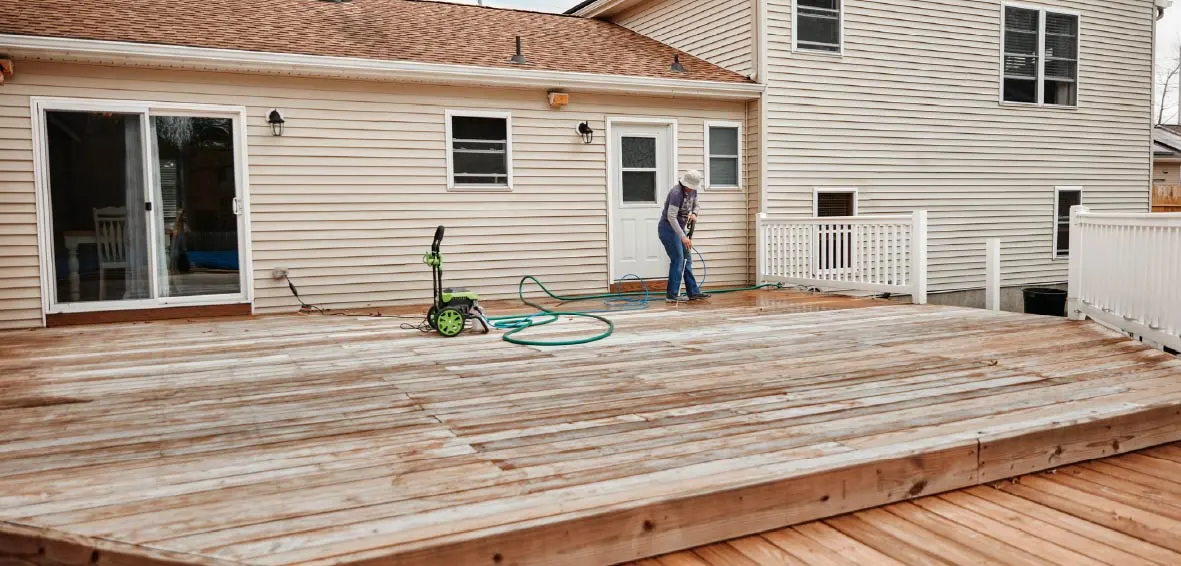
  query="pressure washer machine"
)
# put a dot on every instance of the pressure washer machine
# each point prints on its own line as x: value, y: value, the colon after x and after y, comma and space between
x: 453, y: 308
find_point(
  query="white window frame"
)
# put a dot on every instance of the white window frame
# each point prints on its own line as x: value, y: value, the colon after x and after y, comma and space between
x: 1041, y: 58
x: 1057, y: 199
x: 795, y: 44
x: 450, y: 147
x: 848, y: 190
x: 741, y: 174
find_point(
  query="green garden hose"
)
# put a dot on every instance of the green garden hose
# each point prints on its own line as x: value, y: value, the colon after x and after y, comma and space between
x: 520, y: 323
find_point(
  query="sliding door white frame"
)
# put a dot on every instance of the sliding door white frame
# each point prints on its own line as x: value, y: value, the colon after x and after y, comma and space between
x: 146, y: 109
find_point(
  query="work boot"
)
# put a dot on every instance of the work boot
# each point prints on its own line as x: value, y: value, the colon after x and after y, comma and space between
x: 699, y: 297
x: 675, y: 300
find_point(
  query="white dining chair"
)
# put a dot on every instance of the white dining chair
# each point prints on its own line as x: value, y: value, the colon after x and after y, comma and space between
x: 110, y: 233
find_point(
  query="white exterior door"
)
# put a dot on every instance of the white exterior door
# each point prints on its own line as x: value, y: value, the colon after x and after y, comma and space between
x: 642, y: 170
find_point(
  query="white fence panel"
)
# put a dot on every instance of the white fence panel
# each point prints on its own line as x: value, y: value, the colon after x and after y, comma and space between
x: 1125, y: 271
x: 886, y: 254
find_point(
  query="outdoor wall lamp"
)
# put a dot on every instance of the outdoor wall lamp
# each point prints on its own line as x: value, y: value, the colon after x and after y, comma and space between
x: 276, y: 121
x: 587, y: 133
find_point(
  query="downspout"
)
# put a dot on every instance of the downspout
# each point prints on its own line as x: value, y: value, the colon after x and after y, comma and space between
x: 763, y: 76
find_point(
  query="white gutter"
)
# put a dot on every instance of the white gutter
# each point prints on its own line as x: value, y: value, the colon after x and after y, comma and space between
x: 606, y: 8
x: 232, y: 60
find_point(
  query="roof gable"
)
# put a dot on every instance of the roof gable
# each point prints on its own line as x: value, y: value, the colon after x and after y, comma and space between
x: 390, y: 30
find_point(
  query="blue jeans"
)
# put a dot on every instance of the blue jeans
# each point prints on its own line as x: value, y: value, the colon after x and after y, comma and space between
x: 678, y: 267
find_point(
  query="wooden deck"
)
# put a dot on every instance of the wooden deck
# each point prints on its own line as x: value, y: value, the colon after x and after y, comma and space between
x: 346, y: 440
x: 1120, y: 511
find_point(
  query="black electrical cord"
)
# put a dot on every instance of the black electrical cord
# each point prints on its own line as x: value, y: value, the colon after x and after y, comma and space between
x: 308, y: 308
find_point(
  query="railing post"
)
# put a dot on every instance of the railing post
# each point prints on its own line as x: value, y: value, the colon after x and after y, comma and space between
x: 760, y: 249
x: 992, y: 275
x: 1074, y: 285
x: 918, y: 264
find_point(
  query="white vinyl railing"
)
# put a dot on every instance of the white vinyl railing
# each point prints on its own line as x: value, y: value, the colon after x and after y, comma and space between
x: 1125, y: 271
x: 886, y: 254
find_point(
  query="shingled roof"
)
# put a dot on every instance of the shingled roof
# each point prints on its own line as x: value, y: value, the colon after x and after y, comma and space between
x: 389, y: 30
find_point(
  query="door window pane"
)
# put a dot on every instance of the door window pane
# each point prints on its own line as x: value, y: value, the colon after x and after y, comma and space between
x: 639, y: 186
x: 198, y: 224
x: 639, y: 153
x: 96, y: 189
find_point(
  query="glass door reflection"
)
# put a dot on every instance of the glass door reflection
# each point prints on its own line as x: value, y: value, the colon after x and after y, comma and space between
x: 197, y: 220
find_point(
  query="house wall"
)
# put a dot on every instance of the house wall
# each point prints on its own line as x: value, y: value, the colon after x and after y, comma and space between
x: 910, y: 114
x: 719, y: 31
x: 1166, y: 173
x: 349, y: 197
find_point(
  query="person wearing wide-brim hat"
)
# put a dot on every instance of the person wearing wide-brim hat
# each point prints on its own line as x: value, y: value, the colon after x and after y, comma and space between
x: 680, y: 208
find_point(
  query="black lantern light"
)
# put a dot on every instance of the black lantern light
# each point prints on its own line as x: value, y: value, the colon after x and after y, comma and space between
x: 276, y: 121
x: 587, y: 133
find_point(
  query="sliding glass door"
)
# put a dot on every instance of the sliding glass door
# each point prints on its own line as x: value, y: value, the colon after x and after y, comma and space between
x: 142, y: 206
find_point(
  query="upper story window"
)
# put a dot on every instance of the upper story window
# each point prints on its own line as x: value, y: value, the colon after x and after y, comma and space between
x: 1040, y: 57
x: 818, y: 25
x: 479, y: 150
x: 723, y: 157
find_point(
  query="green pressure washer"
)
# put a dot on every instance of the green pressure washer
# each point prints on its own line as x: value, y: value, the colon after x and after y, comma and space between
x: 453, y: 308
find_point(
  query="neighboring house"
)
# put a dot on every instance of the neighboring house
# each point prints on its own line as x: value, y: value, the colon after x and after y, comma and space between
x: 1166, y: 156
x: 398, y: 115
x: 994, y: 116
x: 131, y: 130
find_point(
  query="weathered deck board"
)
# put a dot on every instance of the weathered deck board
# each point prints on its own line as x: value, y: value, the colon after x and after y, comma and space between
x: 1097, y: 513
x: 345, y: 439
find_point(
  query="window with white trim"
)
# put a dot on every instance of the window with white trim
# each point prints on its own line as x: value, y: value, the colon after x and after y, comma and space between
x: 1041, y: 55
x: 818, y: 25
x: 723, y: 141
x: 835, y: 202
x: 1064, y: 199
x: 479, y: 150
x: 835, y: 242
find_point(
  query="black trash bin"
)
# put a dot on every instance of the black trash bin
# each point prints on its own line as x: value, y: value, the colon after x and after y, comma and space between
x: 1041, y: 300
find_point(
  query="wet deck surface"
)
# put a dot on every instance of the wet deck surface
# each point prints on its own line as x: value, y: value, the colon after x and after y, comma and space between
x: 345, y: 439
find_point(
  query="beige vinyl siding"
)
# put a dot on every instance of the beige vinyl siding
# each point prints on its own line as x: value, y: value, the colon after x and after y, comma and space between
x: 349, y: 197
x: 910, y: 114
x: 718, y: 31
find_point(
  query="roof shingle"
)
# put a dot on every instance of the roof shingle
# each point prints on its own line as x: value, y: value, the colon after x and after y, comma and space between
x: 393, y: 30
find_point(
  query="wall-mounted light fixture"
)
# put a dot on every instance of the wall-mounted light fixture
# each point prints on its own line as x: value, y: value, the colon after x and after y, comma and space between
x: 276, y: 121
x: 587, y: 133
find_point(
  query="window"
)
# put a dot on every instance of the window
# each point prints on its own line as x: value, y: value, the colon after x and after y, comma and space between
x: 818, y: 25
x: 723, y: 162
x: 836, y: 202
x: 1064, y: 198
x: 835, y: 242
x: 479, y: 152
x: 1040, y: 57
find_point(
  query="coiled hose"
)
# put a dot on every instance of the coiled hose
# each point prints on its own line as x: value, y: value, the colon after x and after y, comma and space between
x: 629, y: 301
